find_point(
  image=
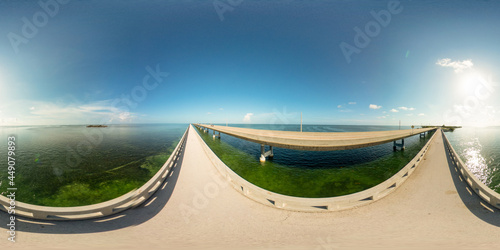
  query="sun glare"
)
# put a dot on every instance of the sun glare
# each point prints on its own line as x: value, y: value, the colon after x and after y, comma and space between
x: 470, y: 81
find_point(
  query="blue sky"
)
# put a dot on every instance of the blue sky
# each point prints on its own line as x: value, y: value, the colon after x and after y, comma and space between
x: 265, y: 62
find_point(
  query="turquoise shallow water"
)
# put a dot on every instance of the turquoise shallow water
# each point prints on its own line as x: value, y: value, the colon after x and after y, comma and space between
x: 315, y: 174
x: 479, y: 149
x: 75, y: 165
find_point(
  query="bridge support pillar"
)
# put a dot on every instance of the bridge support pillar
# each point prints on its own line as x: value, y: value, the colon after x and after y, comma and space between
x: 264, y: 153
x: 422, y: 135
x: 400, y: 145
x: 216, y: 135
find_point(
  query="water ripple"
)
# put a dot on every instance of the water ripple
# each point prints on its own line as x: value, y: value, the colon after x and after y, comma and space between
x: 475, y: 161
x: 479, y: 149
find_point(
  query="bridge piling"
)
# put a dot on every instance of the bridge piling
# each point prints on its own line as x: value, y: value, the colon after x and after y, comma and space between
x: 216, y: 135
x: 264, y: 154
x: 401, y: 145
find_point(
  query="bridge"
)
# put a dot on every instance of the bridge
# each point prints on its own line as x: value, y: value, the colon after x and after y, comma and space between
x: 196, y: 207
x: 314, y: 141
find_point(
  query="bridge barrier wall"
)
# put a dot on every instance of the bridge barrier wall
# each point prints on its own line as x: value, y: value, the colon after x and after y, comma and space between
x: 483, y: 191
x: 131, y: 199
x: 286, y: 202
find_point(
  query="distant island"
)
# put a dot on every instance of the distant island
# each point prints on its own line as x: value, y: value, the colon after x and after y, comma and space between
x: 97, y: 126
x: 445, y: 128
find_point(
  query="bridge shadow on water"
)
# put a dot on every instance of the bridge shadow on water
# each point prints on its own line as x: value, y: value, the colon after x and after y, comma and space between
x: 477, y: 206
x: 131, y: 217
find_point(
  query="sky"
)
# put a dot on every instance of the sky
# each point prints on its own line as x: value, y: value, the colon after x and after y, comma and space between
x: 241, y: 61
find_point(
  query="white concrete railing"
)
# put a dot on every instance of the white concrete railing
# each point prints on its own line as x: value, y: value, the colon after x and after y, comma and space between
x: 129, y: 200
x: 314, y: 204
x: 486, y: 193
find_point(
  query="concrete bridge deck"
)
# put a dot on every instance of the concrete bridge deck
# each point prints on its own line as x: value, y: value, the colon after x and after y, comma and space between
x: 196, y: 210
x: 316, y: 141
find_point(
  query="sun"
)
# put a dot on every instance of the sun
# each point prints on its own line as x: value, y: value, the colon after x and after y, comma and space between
x: 469, y: 82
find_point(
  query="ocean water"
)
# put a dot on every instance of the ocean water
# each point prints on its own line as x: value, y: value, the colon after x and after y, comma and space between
x: 479, y: 149
x: 311, y: 173
x: 76, y: 165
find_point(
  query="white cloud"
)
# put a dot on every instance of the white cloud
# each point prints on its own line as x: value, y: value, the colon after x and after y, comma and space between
x: 381, y: 117
x: 394, y: 110
x: 352, y: 103
x: 421, y: 114
x: 339, y: 106
x: 482, y: 115
x: 248, y: 117
x: 50, y: 113
x: 9, y: 121
x: 125, y: 116
x: 209, y: 113
x: 406, y: 108
x: 458, y: 66
x: 221, y: 108
x: 373, y: 106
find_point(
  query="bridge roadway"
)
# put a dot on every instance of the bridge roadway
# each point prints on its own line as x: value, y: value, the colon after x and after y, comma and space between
x: 196, y: 210
x: 316, y: 141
